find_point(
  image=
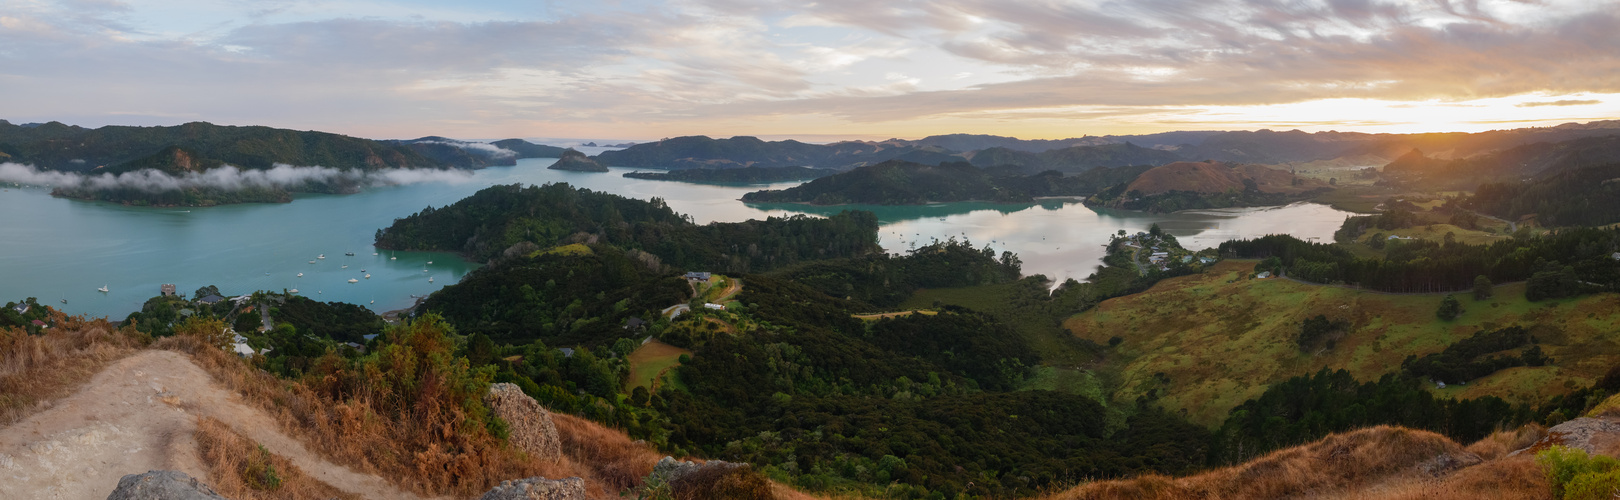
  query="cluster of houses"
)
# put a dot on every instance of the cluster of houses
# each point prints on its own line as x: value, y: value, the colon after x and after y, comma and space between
x: 1160, y: 253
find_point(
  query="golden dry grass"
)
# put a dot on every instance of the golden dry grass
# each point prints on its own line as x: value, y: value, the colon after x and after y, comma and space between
x: 236, y: 463
x: 427, y: 459
x: 37, y: 369
x: 1377, y: 463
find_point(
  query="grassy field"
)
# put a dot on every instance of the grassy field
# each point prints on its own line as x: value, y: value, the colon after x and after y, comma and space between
x: 877, y: 316
x: 1054, y: 347
x: 650, y: 362
x: 1208, y: 342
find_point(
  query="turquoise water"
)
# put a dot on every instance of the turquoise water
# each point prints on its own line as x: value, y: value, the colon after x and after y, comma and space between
x: 53, y: 248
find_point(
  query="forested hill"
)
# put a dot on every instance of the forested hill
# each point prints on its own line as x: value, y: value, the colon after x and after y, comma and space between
x: 515, y: 220
x: 1584, y: 196
x: 54, y: 146
x: 906, y: 183
x: 738, y: 152
x: 1075, y: 159
x: 749, y: 175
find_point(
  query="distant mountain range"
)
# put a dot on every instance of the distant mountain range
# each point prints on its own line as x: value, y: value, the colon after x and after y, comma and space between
x: 899, y: 182
x: 199, y: 146
x: 1080, y: 154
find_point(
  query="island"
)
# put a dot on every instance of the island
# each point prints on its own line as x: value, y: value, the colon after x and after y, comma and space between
x: 578, y: 162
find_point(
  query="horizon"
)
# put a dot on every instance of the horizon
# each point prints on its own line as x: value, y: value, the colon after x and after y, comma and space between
x: 825, y: 71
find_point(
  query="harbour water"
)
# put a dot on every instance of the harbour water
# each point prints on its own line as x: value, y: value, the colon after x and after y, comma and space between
x: 52, y: 248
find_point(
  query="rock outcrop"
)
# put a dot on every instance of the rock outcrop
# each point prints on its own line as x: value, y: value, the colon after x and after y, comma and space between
x: 669, y: 470
x: 164, y: 485
x: 538, y: 488
x: 1594, y: 435
x: 531, y: 429
x: 577, y: 161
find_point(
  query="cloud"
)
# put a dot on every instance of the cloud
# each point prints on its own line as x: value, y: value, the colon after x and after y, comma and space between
x: 226, y: 178
x: 681, y: 66
x: 482, y: 148
x: 1561, y: 102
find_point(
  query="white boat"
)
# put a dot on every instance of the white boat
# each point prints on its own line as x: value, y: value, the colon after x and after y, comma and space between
x: 103, y: 289
x: 368, y: 276
x: 300, y: 275
x: 352, y: 280
x: 312, y: 262
x: 424, y: 270
x: 374, y: 253
x: 345, y: 266
x: 295, y: 290
x: 321, y: 256
x: 430, y: 262
x: 430, y: 279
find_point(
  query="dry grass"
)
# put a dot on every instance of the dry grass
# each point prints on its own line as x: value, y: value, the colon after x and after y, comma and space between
x: 1335, y: 462
x: 608, y: 454
x: 1377, y: 463
x: 37, y: 369
x: 1501, y: 443
x: 722, y: 483
x: 238, y: 468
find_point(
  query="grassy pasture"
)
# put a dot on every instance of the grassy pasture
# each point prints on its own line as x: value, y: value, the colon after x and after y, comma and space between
x: 1208, y: 342
x: 650, y: 362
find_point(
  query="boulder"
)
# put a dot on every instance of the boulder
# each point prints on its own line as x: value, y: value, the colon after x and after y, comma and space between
x: 1446, y: 463
x: 669, y: 470
x: 1594, y: 435
x: 162, y: 485
x: 538, y: 488
x: 530, y: 424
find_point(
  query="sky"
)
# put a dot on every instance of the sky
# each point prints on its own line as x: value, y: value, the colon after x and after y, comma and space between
x: 815, y: 70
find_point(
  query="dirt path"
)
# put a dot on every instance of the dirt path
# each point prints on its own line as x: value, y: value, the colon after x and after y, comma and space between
x: 138, y: 415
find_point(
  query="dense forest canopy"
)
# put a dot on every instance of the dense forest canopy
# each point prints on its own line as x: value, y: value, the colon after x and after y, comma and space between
x: 906, y: 183
x: 1429, y: 266
x: 497, y: 219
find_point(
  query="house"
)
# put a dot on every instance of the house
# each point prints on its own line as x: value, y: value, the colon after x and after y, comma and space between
x: 1263, y: 275
x: 239, y: 300
x: 715, y: 306
x: 39, y: 323
x: 1616, y: 256
x: 1206, y: 260
x: 211, y: 299
x: 568, y: 352
x: 357, y: 347
x: 21, y: 308
x: 698, y: 276
x: 635, y: 323
x: 1186, y: 259
x: 167, y: 289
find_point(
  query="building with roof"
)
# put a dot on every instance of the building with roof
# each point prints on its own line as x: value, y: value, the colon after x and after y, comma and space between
x: 698, y: 275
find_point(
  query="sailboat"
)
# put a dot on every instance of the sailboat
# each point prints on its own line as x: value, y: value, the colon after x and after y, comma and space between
x: 300, y: 275
x: 351, y: 254
x: 352, y: 280
x: 103, y: 289
x: 312, y: 262
x: 295, y: 290
x: 64, y: 298
x: 430, y: 279
x: 392, y: 257
x: 321, y: 256
x: 345, y: 266
x: 430, y: 262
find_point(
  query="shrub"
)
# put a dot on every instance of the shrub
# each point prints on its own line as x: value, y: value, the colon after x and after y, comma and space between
x: 1482, y: 288
x: 1449, y: 308
x: 1575, y: 475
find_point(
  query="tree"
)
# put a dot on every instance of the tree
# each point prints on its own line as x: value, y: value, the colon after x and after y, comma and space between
x: 1449, y: 308
x: 1155, y: 231
x: 1482, y: 288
